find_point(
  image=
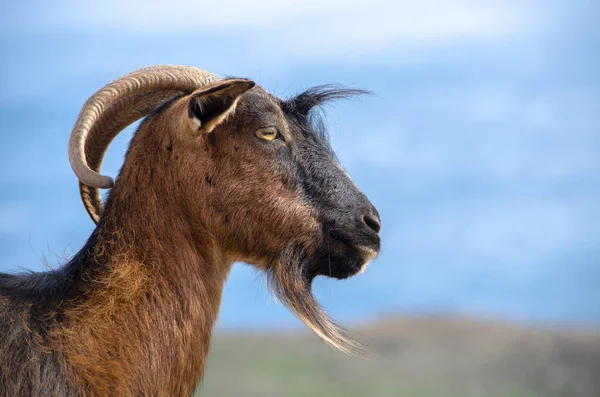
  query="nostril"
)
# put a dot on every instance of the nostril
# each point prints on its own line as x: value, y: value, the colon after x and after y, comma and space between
x: 372, y: 222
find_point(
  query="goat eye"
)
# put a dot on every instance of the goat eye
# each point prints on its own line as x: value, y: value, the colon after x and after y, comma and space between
x: 267, y: 134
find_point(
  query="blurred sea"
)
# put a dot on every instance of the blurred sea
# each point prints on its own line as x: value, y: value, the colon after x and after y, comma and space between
x: 480, y: 146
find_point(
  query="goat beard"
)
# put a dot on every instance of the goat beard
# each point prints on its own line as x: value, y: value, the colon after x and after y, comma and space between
x: 289, y: 280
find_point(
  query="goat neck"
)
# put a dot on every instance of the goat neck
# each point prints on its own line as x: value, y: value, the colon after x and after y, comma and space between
x: 155, y: 291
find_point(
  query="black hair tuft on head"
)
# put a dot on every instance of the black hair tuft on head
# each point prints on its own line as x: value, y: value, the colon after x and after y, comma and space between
x: 300, y: 107
x: 303, y: 103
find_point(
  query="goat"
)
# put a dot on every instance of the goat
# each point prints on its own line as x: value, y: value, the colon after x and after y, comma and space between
x: 219, y: 171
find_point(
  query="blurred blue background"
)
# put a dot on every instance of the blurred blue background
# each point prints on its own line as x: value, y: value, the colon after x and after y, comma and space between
x: 480, y: 147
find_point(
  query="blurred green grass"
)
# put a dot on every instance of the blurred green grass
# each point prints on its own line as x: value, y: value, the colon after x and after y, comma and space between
x: 410, y: 357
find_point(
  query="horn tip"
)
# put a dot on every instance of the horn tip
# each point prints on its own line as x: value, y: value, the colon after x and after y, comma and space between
x: 106, y: 182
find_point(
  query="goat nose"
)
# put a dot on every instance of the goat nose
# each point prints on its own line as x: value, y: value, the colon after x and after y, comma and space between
x: 372, y: 221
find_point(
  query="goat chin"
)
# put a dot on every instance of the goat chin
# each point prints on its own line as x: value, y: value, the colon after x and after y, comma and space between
x: 288, y: 279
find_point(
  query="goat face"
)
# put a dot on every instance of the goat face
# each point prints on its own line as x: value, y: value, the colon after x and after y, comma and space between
x: 265, y: 179
x: 248, y: 173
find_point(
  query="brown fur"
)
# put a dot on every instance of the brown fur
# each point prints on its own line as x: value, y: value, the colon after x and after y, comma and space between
x: 146, y: 324
x: 184, y: 208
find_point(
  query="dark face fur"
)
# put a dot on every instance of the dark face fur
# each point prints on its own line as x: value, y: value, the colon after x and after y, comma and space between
x: 291, y: 189
x: 348, y: 222
x: 267, y: 185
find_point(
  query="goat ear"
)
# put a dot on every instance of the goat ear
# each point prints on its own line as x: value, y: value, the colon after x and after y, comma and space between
x: 210, y: 106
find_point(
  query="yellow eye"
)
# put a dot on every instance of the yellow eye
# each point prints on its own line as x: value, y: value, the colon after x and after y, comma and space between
x: 267, y: 134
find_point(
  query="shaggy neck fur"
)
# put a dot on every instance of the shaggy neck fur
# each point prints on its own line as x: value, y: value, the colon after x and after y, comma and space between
x: 132, y: 313
x: 143, y: 323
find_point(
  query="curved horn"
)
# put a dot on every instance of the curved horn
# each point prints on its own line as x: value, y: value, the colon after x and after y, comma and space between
x: 114, y: 107
x: 122, y: 113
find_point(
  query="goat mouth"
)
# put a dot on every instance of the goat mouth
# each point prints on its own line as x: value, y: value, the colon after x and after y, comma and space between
x: 339, y: 258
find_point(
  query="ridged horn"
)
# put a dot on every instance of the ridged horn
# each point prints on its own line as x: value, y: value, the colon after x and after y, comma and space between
x: 114, y: 107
